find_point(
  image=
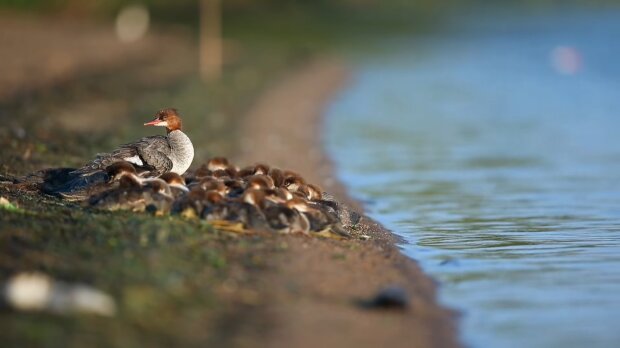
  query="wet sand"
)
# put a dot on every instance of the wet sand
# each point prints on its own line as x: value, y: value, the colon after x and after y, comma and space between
x: 317, y: 281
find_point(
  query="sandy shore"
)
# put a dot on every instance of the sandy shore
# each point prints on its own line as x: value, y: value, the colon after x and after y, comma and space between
x: 317, y: 281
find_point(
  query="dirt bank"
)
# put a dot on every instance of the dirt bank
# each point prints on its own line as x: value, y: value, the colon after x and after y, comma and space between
x: 317, y: 281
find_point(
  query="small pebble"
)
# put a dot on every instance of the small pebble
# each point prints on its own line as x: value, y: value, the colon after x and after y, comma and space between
x: 40, y: 292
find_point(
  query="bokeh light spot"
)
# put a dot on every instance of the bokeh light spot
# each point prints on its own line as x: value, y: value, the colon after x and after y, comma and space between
x: 132, y: 23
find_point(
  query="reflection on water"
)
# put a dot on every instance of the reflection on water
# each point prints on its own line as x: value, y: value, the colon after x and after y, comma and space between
x: 500, y: 164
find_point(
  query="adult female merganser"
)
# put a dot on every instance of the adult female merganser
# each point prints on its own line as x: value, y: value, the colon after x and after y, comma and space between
x: 155, y: 154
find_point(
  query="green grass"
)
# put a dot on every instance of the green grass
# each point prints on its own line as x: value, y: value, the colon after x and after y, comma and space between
x: 167, y: 274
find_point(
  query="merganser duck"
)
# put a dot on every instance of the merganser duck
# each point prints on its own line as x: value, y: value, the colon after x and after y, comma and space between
x: 320, y: 219
x: 223, y: 174
x: 192, y: 204
x: 257, y: 169
x: 277, y: 195
x: 157, y: 197
x: 314, y: 192
x: 234, y: 187
x: 156, y: 154
x: 218, y: 167
x: 176, y: 183
x: 283, y: 219
x: 217, y: 163
x: 275, y: 216
x: 260, y: 181
x: 346, y: 215
x: 133, y: 193
x: 212, y: 184
x: 229, y: 212
x: 80, y: 188
x: 200, y: 172
x: 120, y: 197
x: 277, y: 175
x: 293, y: 183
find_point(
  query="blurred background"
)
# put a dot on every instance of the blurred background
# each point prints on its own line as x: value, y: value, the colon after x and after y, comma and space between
x: 485, y: 133
x: 70, y: 65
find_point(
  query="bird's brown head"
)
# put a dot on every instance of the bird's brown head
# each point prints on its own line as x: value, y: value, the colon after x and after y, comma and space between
x: 168, y: 118
x: 118, y: 169
x: 254, y: 197
x: 172, y: 179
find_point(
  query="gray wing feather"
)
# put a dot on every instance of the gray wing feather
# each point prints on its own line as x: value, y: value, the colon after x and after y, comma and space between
x: 154, y: 152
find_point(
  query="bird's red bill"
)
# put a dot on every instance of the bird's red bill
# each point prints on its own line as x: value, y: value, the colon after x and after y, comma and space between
x: 152, y: 123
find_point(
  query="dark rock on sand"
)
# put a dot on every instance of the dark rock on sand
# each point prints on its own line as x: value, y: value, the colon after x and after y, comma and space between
x: 390, y: 297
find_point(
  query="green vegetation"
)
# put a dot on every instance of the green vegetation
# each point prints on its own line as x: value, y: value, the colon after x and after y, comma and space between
x: 168, y: 275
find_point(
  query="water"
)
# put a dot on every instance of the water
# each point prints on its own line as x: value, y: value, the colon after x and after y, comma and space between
x: 494, y: 149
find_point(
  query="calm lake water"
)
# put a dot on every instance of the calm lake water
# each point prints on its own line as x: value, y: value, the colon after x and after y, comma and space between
x: 493, y: 148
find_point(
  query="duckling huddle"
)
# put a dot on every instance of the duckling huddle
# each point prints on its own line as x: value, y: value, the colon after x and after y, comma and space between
x: 256, y: 197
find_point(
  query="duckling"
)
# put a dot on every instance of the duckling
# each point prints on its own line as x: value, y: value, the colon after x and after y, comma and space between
x: 276, y: 217
x: 126, y: 196
x: 308, y: 191
x: 245, y: 211
x: 257, y: 169
x: 245, y: 172
x: 234, y: 187
x: 283, y: 193
x: 192, y: 204
x: 260, y: 181
x: 217, y: 163
x: 202, y: 171
x: 222, y: 174
x: 81, y: 187
x: 250, y: 210
x: 261, y: 169
x: 320, y: 219
x: 176, y: 184
x: 283, y: 219
x: 277, y: 195
x: 215, y: 208
x: 292, y: 181
x: 347, y: 216
x: 135, y: 194
x: 277, y: 175
x: 254, y: 197
x: 212, y: 184
x: 315, y: 193
x: 157, y: 197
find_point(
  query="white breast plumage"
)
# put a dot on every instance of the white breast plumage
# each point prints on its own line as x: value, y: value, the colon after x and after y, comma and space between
x: 182, y: 153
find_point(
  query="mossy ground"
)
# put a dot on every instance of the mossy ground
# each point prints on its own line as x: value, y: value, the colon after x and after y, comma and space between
x: 170, y: 276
